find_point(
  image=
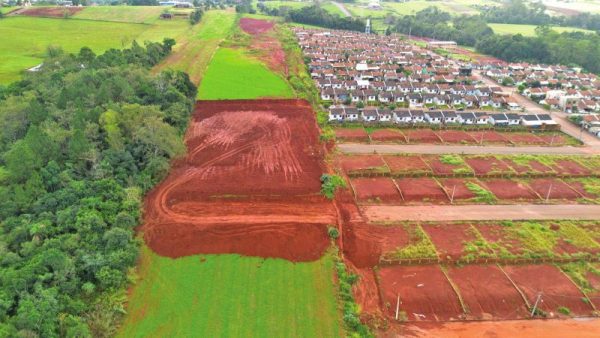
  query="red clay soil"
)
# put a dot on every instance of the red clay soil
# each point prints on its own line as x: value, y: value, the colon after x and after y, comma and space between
x: 489, y: 137
x: 267, y: 46
x: 255, y: 26
x: 506, y: 189
x: 360, y: 163
x: 449, y: 238
x: 488, y: 165
x: 594, y: 281
x: 406, y: 164
x: 569, y: 167
x: 456, y: 136
x: 351, y: 134
x: 366, y: 293
x: 519, y: 138
x: 248, y: 185
x: 556, y: 289
x: 440, y: 168
x: 388, y: 135
x: 553, y: 189
x: 425, y: 293
x: 458, y: 185
x: 422, y: 136
x: 580, y: 188
x: 487, y: 293
x: 421, y: 190
x: 533, y: 167
x: 497, y: 234
x: 364, y: 244
x: 56, y: 12
x: 375, y: 190
x: 553, y: 139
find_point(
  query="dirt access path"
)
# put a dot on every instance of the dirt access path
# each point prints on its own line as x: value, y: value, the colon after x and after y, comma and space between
x: 392, y: 213
x: 361, y: 148
x: 342, y: 8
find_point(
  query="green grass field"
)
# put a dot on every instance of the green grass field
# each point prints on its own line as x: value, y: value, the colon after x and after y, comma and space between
x: 232, y: 74
x: 134, y: 14
x: 528, y: 30
x: 232, y: 296
x: 25, y: 39
x: 4, y: 10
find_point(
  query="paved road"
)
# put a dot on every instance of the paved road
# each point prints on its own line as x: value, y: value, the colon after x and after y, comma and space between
x: 562, y: 118
x: 342, y: 8
x: 362, y: 148
x: 394, y: 213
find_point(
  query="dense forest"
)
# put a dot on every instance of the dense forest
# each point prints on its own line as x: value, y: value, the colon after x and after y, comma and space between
x: 81, y: 140
x: 548, y: 46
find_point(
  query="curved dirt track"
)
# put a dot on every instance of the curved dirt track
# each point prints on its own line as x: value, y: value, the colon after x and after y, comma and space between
x: 249, y: 185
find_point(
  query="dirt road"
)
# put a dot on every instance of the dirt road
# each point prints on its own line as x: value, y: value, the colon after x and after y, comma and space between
x: 342, y: 8
x: 393, y: 213
x: 361, y: 148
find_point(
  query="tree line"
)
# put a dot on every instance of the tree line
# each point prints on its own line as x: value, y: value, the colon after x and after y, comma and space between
x: 314, y: 15
x: 81, y: 140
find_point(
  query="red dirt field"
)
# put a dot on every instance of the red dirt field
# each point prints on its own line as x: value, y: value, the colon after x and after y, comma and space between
x: 422, y: 136
x: 456, y: 136
x: 524, y: 138
x: 440, y: 168
x: 56, y: 12
x: 375, y: 190
x: 425, y: 293
x: 486, y: 165
x: 489, y: 137
x: 496, y: 234
x: 505, y: 189
x: 255, y: 26
x: 458, y: 185
x: 556, y: 289
x: 351, y: 134
x: 594, y: 281
x: 406, y: 164
x: 388, y: 135
x: 533, y: 167
x: 421, y: 190
x: 449, y: 238
x: 248, y: 185
x: 568, y: 167
x: 553, y: 139
x: 487, y: 293
x: 364, y: 243
x: 553, y: 189
x: 364, y: 163
x: 580, y: 188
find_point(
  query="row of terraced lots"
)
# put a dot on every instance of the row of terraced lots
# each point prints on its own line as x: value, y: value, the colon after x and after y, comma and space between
x: 453, y: 136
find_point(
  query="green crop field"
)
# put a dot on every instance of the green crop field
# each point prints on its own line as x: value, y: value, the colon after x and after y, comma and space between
x: 25, y: 39
x: 232, y: 296
x: 291, y: 4
x: 529, y: 30
x: 232, y: 74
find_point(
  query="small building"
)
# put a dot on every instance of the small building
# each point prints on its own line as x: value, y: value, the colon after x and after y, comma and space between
x: 434, y: 117
x: 166, y: 16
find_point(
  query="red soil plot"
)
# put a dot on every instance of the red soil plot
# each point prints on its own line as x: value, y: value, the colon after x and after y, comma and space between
x: 556, y: 289
x: 361, y: 163
x: 255, y: 26
x: 487, y: 165
x: 56, y: 12
x: 496, y: 234
x: 259, y: 157
x: 459, y: 187
x: 388, y: 135
x: 524, y: 138
x: 506, y: 189
x: 455, y: 136
x: 409, y: 164
x: 489, y: 137
x: 351, y: 134
x: 375, y: 190
x: 425, y: 293
x: 579, y: 186
x: 532, y: 167
x: 487, y: 293
x: 422, y: 136
x: 553, y: 189
x: 449, y: 239
x: 568, y: 167
x: 594, y: 281
x: 421, y: 190
x: 440, y: 168
x: 365, y: 243
x: 553, y: 139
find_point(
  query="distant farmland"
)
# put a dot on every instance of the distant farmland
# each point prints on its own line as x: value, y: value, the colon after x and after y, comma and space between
x: 529, y: 30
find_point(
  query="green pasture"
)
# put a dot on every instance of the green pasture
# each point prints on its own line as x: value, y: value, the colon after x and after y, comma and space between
x: 233, y: 74
x: 529, y: 30
x: 134, y: 14
x: 232, y: 296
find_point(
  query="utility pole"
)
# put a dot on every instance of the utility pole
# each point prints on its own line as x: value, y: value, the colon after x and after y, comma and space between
x: 539, y: 297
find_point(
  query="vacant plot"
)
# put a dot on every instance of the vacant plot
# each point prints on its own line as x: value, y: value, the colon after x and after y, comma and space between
x: 523, y: 138
x: 556, y: 290
x: 488, y: 165
x: 549, y: 188
x: 409, y: 164
x: 506, y: 189
x: 422, y: 136
x: 232, y: 74
x: 456, y: 136
x: 51, y: 12
x: 234, y: 296
x: 351, y: 134
x: 424, y: 291
x: 375, y: 190
x: 448, y: 165
x: 489, y: 137
x: 458, y: 190
x: 529, y: 30
x: 421, y: 190
x: 526, y: 165
x: 487, y: 293
x: 365, y: 244
x: 388, y: 135
x: 450, y: 240
x: 362, y: 164
x: 586, y: 187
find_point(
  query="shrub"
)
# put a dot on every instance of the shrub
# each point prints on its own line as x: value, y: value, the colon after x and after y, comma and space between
x: 330, y: 183
x: 333, y: 232
x: 564, y: 310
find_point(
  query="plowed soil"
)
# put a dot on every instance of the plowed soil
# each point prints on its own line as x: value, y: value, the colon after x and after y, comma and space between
x: 421, y: 190
x: 351, y: 134
x: 456, y: 136
x: 248, y: 185
x: 425, y: 293
x: 510, y: 190
x: 487, y: 293
x: 406, y: 164
x: 388, y: 135
x: 553, y: 189
x: 555, y: 288
x: 55, y: 12
x: 376, y: 190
